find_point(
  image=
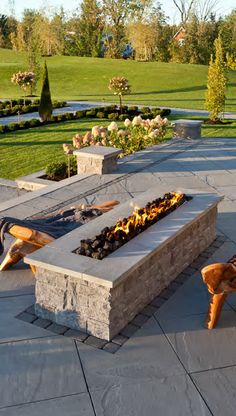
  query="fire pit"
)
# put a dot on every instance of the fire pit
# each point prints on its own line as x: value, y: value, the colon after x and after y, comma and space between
x: 101, y: 297
x: 112, y: 238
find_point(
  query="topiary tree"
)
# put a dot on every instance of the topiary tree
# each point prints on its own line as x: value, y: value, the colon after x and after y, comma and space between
x: 24, y: 80
x: 45, y: 105
x: 120, y: 86
x: 216, y: 83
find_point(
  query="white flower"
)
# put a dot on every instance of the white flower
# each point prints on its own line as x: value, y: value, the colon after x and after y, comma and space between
x: 137, y: 121
x: 113, y: 126
x: 96, y: 131
x: 158, y: 119
x: 127, y: 122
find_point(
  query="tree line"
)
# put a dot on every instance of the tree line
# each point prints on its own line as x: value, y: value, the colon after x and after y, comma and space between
x: 137, y: 29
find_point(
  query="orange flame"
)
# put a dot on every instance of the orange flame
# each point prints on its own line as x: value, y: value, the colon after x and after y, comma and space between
x: 152, y: 211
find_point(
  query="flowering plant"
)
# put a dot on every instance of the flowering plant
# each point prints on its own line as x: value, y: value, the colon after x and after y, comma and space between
x: 24, y: 80
x: 136, y: 134
x: 120, y: 86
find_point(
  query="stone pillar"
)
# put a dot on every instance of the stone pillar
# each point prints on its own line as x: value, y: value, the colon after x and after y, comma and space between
x: 187, y: 129
x: 97, y: 159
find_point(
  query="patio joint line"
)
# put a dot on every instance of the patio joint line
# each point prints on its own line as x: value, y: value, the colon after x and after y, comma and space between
x: 85, y: 380
x: 43, y: 400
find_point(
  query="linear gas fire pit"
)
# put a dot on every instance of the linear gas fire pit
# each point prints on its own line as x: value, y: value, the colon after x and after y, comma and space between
x: 100, y: 296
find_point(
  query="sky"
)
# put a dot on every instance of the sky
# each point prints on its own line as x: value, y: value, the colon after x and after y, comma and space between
x: 224, y: 6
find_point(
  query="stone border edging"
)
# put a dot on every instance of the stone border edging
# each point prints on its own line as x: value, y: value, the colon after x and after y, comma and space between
x: 116, y: 343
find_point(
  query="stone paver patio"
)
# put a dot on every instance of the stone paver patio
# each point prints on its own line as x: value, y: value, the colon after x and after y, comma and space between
x: 171, y: 365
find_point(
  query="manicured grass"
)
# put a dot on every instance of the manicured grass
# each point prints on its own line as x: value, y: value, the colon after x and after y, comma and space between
x: 153, y: 83
x: 27, y: 151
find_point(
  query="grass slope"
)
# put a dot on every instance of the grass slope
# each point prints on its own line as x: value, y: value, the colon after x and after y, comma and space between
x: 25, y: 152
x: 153, y: 83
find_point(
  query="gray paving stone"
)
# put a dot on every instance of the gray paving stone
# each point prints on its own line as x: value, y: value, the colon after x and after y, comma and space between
x: 76, y: 405
x: 158, y: 302
x: 42, y: 323
x: 166, y: 293
x: 31, y: 310
x: 181, y: 278
x: 174, y: 286
x: 57, y: 329
x: 139, y: 320
x: 129, y: 330
x: 111, y: 347
x: 218, y: 390
x: 146, y: 355
x: 149, y: 310
x: 191, y: 298
x: 13, y: 329
x: 95, y: 342
x: 120, y: 339
x: 200, y: 349
x: 172, y: 396
x: 78, y: 335
x: 39, y: 369
x: 27, y: 317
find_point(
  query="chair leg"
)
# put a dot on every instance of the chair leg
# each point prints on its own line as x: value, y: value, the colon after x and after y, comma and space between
x: 215, y: 307
x: 16, y: 252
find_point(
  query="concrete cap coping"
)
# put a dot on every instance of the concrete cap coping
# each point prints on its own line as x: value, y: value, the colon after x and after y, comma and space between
x: 189, y: 122
x: 98, y: 152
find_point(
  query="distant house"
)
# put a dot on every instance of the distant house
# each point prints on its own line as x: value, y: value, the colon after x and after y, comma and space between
x: 179, y: 37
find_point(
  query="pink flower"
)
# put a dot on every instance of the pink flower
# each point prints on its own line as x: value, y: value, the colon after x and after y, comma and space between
x: 87, y: 138
x: 96, y: 131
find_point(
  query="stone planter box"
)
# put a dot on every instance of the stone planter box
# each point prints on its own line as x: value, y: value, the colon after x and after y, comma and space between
x: 100, y: 297
x: 34, y: 181
x: 187, y: 129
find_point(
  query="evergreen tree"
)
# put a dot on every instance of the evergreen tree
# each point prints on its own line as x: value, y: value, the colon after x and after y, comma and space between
x: 45, y: 106
x: 216, y: 83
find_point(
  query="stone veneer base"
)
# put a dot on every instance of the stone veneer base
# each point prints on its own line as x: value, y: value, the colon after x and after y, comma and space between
x: 139, y: 320
x: 102, y: 297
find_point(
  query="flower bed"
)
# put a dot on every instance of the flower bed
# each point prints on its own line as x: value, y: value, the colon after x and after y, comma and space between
x: 136, y: 135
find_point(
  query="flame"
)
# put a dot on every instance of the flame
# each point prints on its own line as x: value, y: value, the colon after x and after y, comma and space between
x: 142, y: 216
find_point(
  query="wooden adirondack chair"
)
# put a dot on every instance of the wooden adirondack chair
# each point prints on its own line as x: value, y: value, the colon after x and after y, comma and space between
x: 220, y: 279
x: 28, y: 240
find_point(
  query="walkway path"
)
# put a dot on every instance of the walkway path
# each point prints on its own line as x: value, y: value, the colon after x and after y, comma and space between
x: 171, y: 365
x: 82, y: 105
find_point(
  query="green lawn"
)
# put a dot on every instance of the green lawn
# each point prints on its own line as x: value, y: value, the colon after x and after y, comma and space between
x: 27, y: 151
x: 153, y: 83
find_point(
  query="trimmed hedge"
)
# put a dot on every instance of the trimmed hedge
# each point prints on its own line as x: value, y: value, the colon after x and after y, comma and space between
x: 11, y: 108
x: 109, y: 112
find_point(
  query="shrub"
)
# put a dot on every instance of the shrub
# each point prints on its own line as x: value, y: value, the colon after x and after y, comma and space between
x: 4, y: 128
x: 113, y: 116
x: 91, y: 113
x: 56, y: 170
x: 122, y: 117
x: 145, y: 110
x: 25, y: 108
x: 80, y: 114
x: 165, y: 112
x: 100, y: 114
x: 133, y: 108
x: 34, y: 122
x: 13, y: 126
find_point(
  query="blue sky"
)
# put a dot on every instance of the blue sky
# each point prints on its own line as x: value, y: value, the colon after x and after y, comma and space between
x: 225, y: 6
